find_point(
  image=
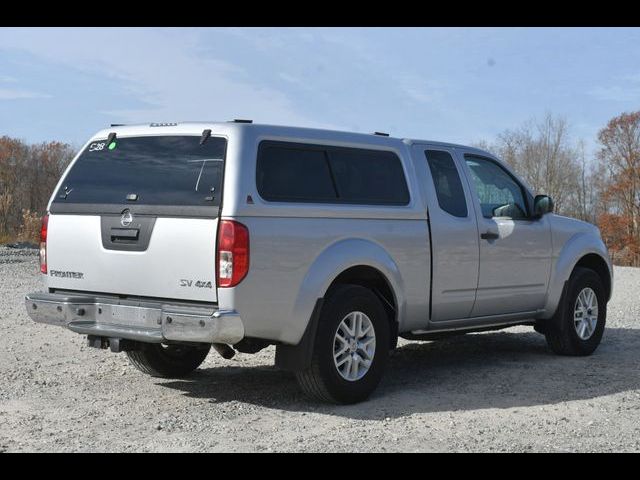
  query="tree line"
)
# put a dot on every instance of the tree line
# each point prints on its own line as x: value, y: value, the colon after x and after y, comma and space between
x: 28, y: 176
x: 603, y: 189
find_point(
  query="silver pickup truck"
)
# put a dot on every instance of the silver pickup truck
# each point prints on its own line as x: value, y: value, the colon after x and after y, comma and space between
x: 164, y: 240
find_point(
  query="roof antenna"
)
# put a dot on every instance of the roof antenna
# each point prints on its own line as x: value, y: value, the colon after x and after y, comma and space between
x: 205, y: 136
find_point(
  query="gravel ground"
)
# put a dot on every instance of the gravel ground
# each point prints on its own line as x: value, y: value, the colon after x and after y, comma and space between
x: 498, y: 391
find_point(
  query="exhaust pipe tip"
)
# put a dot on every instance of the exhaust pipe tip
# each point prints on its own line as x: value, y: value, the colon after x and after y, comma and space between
x: 224, y: 350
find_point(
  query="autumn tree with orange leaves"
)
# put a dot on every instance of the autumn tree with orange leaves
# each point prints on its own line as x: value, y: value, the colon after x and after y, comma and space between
x: 619, y: 158
x: 28, y: 175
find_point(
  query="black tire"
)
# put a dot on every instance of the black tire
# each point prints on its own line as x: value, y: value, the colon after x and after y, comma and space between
x: 560, y: 332
x: 322, y: 381
x: 168, y: 361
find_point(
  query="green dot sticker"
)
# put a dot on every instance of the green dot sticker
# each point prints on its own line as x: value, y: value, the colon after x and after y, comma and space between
x: 112, y: 146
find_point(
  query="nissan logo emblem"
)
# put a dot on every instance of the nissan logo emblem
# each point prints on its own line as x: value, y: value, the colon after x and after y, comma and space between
x: 126, y: 218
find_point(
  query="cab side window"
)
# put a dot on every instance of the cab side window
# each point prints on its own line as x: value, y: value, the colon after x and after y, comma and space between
x: 499, y: 193
x: 447, y: 183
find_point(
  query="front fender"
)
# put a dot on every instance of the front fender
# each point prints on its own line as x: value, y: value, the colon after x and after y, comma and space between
x: 335, y: 259
x: 579, y: 245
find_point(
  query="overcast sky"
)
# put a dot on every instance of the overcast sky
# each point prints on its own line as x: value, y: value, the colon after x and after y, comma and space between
x: 449, y: 84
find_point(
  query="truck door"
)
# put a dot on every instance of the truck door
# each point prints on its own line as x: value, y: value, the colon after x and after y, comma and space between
x: 454, y: 234
x: 515, y: 249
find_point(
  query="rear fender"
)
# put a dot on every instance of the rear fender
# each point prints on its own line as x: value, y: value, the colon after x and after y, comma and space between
x: 339, y: 257
x: 334, y: 260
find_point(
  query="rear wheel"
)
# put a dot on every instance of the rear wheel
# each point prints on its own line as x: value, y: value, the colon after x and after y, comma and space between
x: 168, y: 361
x: 351, y: 347
x: 578, y: 325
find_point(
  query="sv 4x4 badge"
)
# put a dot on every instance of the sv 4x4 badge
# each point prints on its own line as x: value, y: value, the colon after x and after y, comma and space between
x: 197, y: 283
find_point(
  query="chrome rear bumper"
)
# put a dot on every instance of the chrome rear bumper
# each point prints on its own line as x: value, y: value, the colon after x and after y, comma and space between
x: 135, y: 320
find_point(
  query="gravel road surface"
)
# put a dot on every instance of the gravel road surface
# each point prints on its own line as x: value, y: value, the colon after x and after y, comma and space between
x: 498, y: 391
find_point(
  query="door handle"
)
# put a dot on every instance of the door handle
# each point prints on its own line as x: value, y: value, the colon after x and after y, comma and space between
x: 489, y: 235
x: 124, y: 234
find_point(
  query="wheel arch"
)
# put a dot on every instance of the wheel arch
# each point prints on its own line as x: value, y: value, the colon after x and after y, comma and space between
x: 582, y: 250
x: 598, y: 264
x: 353, y: 260
x: 374, y: 280
x: 356, y: 261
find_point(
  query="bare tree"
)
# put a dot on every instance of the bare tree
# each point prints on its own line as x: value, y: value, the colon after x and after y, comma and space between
x: 585, y: 203
x: 544, y: 155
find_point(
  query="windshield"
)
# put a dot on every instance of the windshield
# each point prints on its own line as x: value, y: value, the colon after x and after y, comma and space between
x: 153, y: 170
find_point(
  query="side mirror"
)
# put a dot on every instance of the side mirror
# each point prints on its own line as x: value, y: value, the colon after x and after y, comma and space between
x: 542, y: 204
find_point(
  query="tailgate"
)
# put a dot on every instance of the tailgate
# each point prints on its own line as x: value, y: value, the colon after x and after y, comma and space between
x: 178, y: 263
x: 138, y: 215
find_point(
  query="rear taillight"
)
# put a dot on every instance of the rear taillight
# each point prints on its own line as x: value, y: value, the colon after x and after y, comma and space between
x: 233, y: 253
x: 43, y: 244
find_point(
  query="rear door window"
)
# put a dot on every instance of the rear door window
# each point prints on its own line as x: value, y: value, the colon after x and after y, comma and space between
x: 446, y: 180
x: 155, y: 170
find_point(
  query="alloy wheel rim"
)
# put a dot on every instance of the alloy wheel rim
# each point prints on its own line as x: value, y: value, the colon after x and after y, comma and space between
x: 354, y: 346
x: 585, y: 313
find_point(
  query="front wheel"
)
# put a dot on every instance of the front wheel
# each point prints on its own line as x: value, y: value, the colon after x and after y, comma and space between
x: 168, y: 361
x: 351, y: 347
x: 578, y: 325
